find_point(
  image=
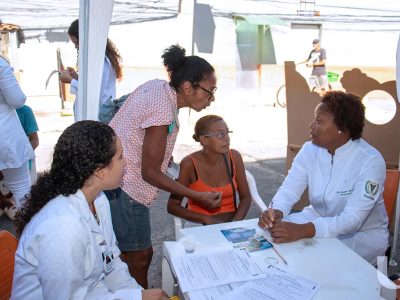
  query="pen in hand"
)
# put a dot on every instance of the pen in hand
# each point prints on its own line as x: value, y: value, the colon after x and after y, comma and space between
x: 270, y: 224
x: 271, y: 211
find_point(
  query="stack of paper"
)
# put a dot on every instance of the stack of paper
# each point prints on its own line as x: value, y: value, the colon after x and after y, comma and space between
x: 232, y: 274
x: 199, y: 271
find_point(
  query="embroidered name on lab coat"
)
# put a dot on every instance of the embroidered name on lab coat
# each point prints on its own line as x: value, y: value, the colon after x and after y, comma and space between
x: 345, y: 192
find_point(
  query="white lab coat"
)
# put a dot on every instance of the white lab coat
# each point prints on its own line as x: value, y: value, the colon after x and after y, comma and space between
x: 15, y: 149
x: 107, y: 89
x: 59, y: 254
x: 345, y: 193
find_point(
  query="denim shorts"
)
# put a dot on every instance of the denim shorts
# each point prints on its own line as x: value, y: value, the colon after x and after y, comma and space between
x: 131, y: 221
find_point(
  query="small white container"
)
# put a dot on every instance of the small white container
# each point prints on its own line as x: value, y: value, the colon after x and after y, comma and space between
x: 189, y: 243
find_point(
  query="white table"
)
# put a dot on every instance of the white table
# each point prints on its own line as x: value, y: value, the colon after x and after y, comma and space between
x: 341, y: 273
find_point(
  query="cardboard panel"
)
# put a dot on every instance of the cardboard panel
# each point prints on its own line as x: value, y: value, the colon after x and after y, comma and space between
x: 300, y: 111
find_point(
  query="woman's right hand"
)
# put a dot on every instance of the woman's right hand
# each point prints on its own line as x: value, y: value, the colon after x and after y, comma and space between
x: 72, y: 73
x: 210, y: 200
x: 154, y: 294
x: 65, y: 76
x: 268, y: 217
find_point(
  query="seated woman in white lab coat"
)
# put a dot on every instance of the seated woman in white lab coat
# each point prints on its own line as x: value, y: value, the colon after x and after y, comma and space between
x: 67, y: 247
x: 345, y: 178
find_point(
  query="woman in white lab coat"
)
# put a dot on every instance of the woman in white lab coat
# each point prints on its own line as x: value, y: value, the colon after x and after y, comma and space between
x: 112, y: 69
x: 67, y: 247
x: 15, y: 149
x: 345, y: 178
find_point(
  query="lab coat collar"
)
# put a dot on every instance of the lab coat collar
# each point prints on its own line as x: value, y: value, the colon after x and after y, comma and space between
x: 82, y: 205
x: 342, y: 150
x: 346, y: 148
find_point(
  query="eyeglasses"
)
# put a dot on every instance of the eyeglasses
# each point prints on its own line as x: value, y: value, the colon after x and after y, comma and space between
x: 219, y: 134
x: 211, y: 93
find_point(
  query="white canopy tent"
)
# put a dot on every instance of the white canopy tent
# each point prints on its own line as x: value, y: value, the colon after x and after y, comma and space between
x: 94, y: 22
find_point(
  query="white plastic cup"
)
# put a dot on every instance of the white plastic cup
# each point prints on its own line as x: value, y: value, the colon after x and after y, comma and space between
x: 189, y: 244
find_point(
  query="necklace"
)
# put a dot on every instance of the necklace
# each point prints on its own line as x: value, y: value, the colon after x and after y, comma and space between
x: 97, y: 218
x: 93, y: 210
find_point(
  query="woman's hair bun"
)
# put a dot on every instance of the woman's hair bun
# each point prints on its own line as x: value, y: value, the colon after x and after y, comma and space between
x: 173, y: 57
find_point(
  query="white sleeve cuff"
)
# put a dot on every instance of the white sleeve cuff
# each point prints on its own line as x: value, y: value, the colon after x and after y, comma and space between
x: 128, y: 294
x: 285, y: 210
x: 321, y: 228
x: 74, y: 87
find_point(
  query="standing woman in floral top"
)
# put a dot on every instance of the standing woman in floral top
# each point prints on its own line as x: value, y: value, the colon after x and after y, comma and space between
x: 147, y: 125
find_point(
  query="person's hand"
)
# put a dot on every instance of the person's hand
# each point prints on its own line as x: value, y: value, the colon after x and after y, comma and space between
x: 284, y: 232
x: 269, y: 217
x: 65, y: 76
x: 6, y: 201
x: 210, y: 200
x: 154, y: 294
x: 72, y: 73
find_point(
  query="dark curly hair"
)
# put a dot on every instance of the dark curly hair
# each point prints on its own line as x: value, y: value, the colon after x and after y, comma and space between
x: 111, y: 51
x: 348, y: 112
x: 182, y: 68
x: 81, y: 149
x: 203, y: 125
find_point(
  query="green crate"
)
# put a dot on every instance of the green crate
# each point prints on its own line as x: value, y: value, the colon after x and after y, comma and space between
x: 332, y: 77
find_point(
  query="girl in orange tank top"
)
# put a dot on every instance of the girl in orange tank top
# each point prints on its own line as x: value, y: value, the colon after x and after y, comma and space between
x: 226, y: 191
x: 214, y: 168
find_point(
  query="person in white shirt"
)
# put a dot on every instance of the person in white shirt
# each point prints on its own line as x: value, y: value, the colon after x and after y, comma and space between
x: 345, y: 177
x: 15, y: 149
x: 112, y: 69
x: 67, y: 247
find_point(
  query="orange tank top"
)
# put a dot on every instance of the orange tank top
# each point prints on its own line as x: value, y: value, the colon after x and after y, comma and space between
x: 227, y: 201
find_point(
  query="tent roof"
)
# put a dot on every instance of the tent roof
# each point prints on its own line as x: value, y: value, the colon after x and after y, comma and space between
x: 35, y: 17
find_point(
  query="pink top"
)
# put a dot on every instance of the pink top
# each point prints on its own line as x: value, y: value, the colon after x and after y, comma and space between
x: 154, y: 103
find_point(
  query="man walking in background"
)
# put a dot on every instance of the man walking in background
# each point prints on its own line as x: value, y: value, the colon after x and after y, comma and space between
x: 318, y: 79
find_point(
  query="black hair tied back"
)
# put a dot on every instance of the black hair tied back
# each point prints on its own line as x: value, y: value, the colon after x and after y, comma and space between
x: 173, y: 58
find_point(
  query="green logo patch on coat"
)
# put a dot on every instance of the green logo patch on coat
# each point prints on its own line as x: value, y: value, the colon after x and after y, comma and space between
x: 371, y: 188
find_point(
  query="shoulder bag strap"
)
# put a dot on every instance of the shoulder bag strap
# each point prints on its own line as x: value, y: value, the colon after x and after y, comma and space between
x: 230, y: 176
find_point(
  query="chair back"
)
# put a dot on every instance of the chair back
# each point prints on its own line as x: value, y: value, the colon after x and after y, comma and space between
x: 8, y: 247
x: 255, y: 197
x: 390, y: 192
